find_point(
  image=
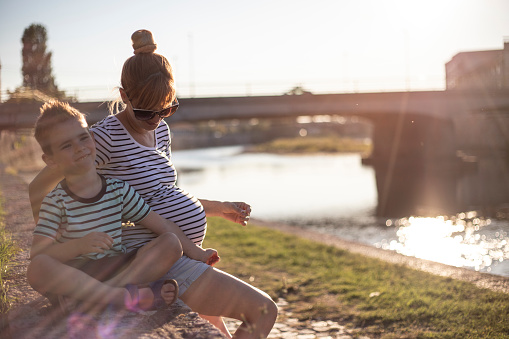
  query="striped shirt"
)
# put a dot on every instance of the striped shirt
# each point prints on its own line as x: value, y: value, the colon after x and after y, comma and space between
x: 150, y: 171
x: 64, y: 216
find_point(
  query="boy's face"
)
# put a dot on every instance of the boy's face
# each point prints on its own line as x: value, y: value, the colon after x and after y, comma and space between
x: 72, y: 146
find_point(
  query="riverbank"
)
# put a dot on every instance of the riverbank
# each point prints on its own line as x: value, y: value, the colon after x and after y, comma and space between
x: 308, y: 306
x: 379, y: 295
x: 481, y: 280
x: 333, y: 193
x: 319, y: 290
x: 331, y: 144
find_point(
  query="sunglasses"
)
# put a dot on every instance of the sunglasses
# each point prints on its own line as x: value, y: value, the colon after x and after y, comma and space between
x: 145, y: 114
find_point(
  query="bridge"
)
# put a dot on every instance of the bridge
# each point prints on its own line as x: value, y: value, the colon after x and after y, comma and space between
x: 422, y: 132
x: 422, y: 124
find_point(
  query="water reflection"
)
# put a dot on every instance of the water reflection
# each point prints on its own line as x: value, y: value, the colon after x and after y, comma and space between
x: 280, y: 187
x: 465, y: 240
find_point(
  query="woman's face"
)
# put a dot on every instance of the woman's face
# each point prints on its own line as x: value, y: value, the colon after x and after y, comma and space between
x: 149, y: 115
x: 148, y: 125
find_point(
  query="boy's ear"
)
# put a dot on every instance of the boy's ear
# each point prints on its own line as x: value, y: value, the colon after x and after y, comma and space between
x: 48, y: 159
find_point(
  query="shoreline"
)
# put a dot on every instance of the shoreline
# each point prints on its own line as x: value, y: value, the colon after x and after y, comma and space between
x: 287, y: 326
x: 26, y: 163
x: 481, y: 280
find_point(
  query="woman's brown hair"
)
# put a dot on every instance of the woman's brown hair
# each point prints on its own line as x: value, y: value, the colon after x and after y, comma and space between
x: 147, y: 77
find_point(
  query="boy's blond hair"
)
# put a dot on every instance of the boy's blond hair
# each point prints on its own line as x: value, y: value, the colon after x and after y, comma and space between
x: 52, y: 113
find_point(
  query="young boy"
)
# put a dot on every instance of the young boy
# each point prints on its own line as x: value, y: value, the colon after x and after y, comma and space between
x: 77, y: 246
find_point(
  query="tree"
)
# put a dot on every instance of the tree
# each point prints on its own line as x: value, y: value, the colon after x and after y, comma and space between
x: 38, y: 82
x: 36, y: 68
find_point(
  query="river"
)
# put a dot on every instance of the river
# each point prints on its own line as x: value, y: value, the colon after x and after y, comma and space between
x: 337, y: 195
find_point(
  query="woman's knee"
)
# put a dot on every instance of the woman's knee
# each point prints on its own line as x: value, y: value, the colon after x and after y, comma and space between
x: 266, y: 309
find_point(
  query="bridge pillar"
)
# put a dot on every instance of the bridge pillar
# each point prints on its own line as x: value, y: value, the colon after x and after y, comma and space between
x: 415, y: 162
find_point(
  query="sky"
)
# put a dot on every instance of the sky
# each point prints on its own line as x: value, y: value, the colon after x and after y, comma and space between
x: 263, y: 47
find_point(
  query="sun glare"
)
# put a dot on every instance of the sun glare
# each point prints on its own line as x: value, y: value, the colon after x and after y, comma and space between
x: 457, y: 241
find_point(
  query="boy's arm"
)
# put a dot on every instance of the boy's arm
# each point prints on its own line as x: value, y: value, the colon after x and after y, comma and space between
x: 159, y: 225
x: 40, y: 186
x: 95, y: 242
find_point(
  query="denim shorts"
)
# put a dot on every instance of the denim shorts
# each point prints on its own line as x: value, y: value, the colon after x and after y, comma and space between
x: 185, y: 271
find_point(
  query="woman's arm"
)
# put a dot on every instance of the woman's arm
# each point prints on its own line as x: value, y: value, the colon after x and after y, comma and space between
x: 238, y: 212
x: 40, y: 186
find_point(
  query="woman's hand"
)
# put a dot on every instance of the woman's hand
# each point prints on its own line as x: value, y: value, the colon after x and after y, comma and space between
x: 238, y: 212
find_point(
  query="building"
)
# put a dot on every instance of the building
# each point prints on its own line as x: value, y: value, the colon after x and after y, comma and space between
x: 479, y: 69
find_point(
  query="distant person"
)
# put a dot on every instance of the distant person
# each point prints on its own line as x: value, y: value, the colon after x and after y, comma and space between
x: 77, y: 250
x: 135, y: 146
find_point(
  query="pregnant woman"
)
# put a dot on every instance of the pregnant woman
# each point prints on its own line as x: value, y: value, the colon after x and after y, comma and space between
x: 135, y: 145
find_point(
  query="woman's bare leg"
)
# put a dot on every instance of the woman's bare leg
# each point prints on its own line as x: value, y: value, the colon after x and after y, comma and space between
x: 216, y: 293
x: 218, y: 322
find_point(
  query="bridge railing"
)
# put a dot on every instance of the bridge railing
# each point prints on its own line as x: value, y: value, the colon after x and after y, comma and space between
x: 441, y: 104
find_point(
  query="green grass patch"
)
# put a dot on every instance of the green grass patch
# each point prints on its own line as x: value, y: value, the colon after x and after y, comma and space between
x: 7, y: 251
x: 325, y: 144
x: 383, y: 299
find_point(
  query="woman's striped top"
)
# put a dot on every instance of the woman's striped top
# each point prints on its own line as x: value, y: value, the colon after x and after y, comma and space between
x: 151, y: 172
x: 64, y: 216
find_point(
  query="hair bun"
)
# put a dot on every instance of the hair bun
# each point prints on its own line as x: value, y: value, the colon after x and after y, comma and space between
x: 143, y: 42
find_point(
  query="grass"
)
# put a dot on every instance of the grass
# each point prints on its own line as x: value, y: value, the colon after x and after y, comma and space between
x: 7, y: 251
x: 374, y: 297
x: 304, y: 145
